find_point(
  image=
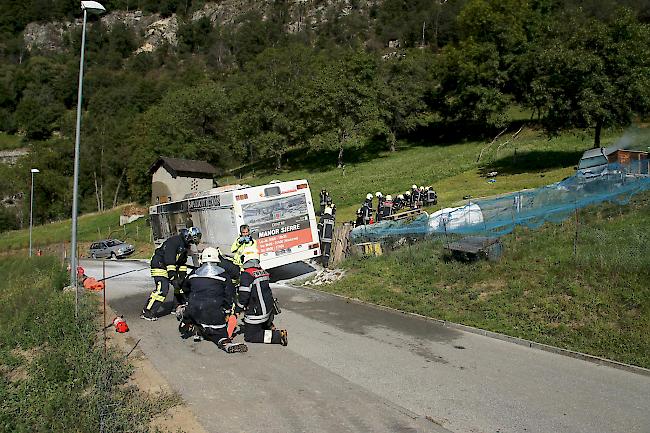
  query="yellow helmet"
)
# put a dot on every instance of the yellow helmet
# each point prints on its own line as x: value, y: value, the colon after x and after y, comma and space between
x: 250, y: 254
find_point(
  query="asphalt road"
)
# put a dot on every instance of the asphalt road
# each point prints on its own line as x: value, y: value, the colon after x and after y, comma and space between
x: 356, y: 368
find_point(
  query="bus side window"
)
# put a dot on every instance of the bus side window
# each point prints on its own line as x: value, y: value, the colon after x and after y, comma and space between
x: 271, y: 191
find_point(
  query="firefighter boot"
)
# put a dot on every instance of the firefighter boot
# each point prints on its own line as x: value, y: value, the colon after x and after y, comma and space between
x: 228, y: 346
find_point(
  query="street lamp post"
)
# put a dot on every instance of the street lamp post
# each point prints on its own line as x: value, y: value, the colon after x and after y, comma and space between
x: 97, y: 8
x: 31, y: 209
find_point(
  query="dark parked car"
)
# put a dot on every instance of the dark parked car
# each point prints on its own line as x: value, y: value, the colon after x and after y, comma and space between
x: 111, y: 248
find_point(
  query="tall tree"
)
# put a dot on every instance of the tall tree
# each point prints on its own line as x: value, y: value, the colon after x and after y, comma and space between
x: 590, y: 73
x: 342, y: 105
x: 405, y: 84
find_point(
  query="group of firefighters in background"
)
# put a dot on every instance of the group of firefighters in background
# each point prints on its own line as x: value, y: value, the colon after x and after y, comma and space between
x: 415, y: 198
x: 207, y: 296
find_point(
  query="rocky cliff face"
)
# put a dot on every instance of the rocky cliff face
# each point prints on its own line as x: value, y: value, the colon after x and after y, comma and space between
x: 157, y: 31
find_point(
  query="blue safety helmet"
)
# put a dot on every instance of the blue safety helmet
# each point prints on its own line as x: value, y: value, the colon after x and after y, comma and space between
x: 191, y: 235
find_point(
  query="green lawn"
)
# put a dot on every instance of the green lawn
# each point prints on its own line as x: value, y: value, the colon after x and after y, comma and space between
x: 597, y: 301
x: 452, y: 170
x: 90, y: 228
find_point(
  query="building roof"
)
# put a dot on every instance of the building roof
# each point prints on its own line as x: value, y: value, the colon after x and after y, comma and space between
x: 185, y: 166
x: 606, y: 151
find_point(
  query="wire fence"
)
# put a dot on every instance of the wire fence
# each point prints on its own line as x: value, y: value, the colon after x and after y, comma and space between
x: 529, y: 208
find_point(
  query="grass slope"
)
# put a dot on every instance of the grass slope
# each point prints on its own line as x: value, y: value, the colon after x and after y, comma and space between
x: 529, y: 161
x: 54, y: 374
x: 597, y: 301
x: 90, y: 228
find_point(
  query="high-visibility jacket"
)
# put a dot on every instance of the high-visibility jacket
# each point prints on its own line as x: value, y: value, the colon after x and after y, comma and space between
x: 237, y: 249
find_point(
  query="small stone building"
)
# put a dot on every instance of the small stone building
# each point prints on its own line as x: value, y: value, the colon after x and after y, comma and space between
x: 172, y: 178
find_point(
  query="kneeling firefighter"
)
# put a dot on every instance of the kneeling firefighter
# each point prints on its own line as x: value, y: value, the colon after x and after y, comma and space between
x: 210, y: 297
x: 256, y: 300
x: 169, y: 266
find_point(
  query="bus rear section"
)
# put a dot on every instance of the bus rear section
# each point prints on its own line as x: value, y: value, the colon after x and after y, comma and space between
x: 282, y: 221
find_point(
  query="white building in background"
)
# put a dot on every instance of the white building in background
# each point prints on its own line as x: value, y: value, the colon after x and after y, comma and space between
x: 172, y: 178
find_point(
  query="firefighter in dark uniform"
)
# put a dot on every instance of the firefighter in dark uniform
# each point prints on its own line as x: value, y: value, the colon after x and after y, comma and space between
x: 255, y: 299
x: 211, y: 295
x: 380, y: 203
x: 415, y: 193
x: 326, y: 234
x: 366, y: 209
x: 324, y: 196
x: 387, y: 207
x: 359, y: 221
x: 431, y: 197
x: 169, y: 266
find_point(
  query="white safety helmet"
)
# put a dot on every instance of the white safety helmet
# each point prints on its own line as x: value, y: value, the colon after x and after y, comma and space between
x: 414, y: 186
x: 407, y: 193
x: 389, y: 197
x: 328, y: 210
x: 250, y: 256
x: 210, y: 255
x: 421, y: 188
x: 401, y: 196
x: 378, y: 194
x: 369, y: 196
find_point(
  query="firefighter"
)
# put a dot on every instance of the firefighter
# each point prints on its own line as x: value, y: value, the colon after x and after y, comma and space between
x: 326, y: 233
x: 380, y: 202
x: 366, y: 209
x: 169, y: 266
x: 359, y: 221
x: 324, y: 196
x: 255, y: 299
x: 398, y: 204
x: 244, y: 240
x: 431, y: 197
x: 387, y: 207
x: 211, y: 295
x: 414, y: 196
x: 330, y: 204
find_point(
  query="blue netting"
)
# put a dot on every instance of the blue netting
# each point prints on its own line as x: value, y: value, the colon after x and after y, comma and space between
x: 529, y: 208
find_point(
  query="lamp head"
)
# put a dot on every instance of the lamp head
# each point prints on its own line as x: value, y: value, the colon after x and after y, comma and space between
x: 35, y: 170
x: 93, y: 7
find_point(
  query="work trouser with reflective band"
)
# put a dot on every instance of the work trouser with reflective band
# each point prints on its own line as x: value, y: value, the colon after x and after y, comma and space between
x: 262, y: 333
x: 157, y: 297
x: 178, y: 275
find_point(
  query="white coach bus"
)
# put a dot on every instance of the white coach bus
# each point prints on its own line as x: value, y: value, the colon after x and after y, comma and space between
x: 280, y: 215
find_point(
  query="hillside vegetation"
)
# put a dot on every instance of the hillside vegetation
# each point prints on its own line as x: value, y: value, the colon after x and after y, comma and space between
x: 330, y: 79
